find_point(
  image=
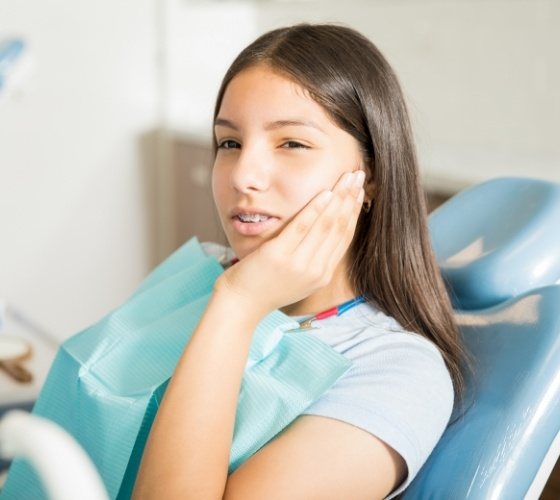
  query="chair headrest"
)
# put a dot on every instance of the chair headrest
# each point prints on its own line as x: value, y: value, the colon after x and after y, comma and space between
x: 497, y: 240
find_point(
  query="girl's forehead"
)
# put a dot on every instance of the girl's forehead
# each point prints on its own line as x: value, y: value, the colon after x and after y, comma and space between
x: 260, y: 91
x: 263, y: 82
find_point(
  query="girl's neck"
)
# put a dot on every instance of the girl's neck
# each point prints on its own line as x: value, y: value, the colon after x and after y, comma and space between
x: 336, y: 292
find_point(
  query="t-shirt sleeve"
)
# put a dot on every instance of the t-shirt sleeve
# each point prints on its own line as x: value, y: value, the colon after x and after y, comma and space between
x: 399, y: 390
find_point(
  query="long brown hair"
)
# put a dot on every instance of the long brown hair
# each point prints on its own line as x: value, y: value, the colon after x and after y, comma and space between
x: 391, y: 259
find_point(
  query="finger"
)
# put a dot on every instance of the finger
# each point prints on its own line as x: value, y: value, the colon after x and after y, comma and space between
x: 337, y: 241
x: 324, y: 220
x: 295, y: 231
x: 331, y: 225
x: 353, y: 209
x: 298, y: 228
x: 345, y: 242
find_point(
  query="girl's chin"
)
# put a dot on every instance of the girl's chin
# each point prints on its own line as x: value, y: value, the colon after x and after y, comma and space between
x: 241, y: 251
x: 244, y: 248
x: 244, y: 245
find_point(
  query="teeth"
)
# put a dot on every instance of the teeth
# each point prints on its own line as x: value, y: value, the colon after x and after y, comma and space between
x: 252, y: 217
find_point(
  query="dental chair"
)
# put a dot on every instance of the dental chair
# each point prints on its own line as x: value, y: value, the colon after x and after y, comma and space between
x: 498, y: 247
x: 66, y: 471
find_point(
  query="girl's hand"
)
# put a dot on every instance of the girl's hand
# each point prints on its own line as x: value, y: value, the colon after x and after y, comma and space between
x: 303, y: 257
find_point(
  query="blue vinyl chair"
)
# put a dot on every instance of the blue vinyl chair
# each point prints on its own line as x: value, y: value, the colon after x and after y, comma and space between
x: 497, y: 240
x: 498, y: 246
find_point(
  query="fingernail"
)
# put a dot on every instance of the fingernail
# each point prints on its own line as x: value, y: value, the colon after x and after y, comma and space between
x: 348, y: 180
x: 359, y: 178
x: 360, y: 198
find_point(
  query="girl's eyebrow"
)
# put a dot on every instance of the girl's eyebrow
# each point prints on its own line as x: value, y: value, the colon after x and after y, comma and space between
x: 271, y: 125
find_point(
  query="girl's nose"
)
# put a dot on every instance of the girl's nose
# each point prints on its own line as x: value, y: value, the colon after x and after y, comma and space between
x: 250, y: 172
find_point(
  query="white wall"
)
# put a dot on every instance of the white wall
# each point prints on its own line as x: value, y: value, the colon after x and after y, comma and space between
x: 76, y: 191
x: 481, y: 78
x: 75, y: 232
x: 202, y: 38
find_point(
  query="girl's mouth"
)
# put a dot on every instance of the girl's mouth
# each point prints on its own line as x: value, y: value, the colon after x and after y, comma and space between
x: 254, y: 224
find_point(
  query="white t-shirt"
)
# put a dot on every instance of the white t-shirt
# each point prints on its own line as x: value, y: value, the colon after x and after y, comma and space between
x: 398, y: 388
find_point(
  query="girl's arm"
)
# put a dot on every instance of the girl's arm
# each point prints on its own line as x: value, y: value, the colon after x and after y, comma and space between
x: 187, y: 453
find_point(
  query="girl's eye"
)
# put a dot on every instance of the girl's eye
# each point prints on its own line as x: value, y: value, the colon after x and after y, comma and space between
x: 294, y: 145
x: 228, y: 144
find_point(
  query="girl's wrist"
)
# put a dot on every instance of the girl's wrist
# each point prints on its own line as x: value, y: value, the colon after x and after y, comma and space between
x: 238, y: 305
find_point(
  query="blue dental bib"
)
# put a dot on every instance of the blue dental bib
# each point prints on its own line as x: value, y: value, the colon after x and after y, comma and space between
x: 106, y: 382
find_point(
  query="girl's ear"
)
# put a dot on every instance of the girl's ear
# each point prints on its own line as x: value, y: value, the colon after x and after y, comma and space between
x: 369, y: 185
x: 369, y: 189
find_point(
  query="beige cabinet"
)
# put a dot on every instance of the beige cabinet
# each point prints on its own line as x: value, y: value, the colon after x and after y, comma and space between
x: 185, y: 206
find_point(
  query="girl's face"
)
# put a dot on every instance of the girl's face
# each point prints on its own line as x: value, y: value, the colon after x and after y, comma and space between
x: 277, y: 149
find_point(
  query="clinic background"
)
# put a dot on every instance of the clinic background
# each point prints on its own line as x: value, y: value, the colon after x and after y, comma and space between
x: 81, y: 149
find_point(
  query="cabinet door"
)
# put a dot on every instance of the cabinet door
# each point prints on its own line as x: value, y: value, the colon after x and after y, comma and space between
x: 195, y: 212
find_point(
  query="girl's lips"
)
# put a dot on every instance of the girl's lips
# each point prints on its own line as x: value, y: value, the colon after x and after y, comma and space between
x: 253, y: 228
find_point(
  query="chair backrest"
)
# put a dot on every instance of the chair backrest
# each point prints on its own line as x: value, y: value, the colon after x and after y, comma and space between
x: 502, y: 267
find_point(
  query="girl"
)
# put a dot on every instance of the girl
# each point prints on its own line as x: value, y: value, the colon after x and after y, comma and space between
x: 316, y: 184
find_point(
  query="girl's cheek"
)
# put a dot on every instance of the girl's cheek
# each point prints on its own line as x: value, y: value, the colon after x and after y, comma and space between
x: 318, y: 177
x: 301, y: 192
x: 219, y: 176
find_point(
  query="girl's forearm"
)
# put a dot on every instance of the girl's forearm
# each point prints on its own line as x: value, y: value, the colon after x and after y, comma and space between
x: 187, y: 453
